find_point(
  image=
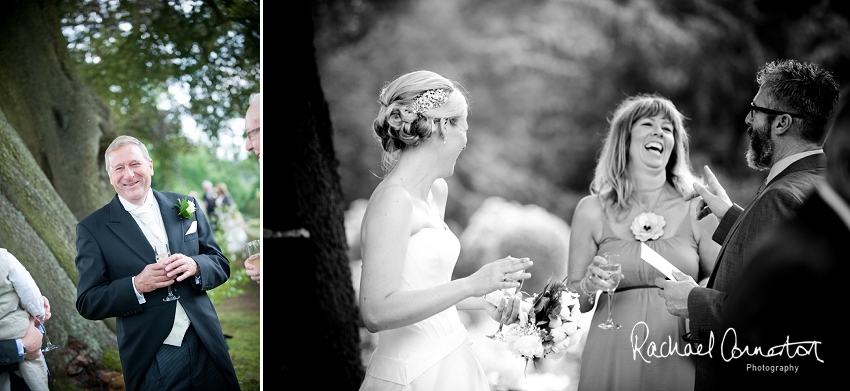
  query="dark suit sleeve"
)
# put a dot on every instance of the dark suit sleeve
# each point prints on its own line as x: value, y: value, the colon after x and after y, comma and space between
x: 726, y: 223
x: 705, y: 306
x: 9, y: 357
x: 215, y: 268
x: 98, y: 297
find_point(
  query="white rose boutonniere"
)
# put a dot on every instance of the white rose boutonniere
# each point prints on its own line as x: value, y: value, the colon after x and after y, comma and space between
x: 648, y: 226
x: 185, y: 207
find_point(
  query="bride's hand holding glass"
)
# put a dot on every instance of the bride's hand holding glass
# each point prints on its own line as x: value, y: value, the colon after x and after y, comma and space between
x: 500, y: 274
x: 505, y: 302
x: 507, y: 311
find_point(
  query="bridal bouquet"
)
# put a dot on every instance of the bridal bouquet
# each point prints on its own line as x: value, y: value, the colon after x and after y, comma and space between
x: 548, y: 324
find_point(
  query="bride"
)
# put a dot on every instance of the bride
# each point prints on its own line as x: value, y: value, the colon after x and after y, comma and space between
x: 406, y: 292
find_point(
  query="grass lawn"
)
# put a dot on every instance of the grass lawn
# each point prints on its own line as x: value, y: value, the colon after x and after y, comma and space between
x: 240, y: 318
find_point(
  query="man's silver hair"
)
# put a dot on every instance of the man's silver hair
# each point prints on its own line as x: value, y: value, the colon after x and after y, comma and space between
x: 121, y: 141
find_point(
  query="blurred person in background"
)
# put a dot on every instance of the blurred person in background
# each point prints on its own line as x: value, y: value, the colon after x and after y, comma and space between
x: 787, y: 124
x: 636, y: 196
x: 223, y: 199
x: 253, y: 120
x: 406, y: 292
x: 209, y: 201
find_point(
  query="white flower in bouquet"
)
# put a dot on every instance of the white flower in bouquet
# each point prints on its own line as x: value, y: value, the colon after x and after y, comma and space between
x: 555, y: 322
x: 558, y: 334
x: 570, y: 328
x: 548, y: 324
x: 569, y: 304
x: 526, y: 345
x: 575, y: 312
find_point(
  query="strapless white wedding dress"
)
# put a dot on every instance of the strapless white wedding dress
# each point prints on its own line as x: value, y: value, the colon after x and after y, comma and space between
x: 436, y: 353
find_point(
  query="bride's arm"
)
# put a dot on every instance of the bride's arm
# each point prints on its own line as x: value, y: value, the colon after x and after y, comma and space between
x: 385, y: 233
x: 473, y: 303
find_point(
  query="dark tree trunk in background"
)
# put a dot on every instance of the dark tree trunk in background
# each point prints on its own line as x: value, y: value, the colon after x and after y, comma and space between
x: 64, y: 124
x: 38, y: 229
x: 321, y: 311
x: 51, y: 133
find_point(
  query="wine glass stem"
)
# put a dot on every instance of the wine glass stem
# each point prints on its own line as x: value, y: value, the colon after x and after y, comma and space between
x: 610, y: 303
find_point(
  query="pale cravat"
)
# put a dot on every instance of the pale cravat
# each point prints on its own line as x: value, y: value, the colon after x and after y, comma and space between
x: 149, y: 222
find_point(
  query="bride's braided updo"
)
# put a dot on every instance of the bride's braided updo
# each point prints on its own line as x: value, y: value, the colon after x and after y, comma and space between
x: 409, y: 106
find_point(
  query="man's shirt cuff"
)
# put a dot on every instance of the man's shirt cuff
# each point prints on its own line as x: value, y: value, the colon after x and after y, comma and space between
x: 139, y: 296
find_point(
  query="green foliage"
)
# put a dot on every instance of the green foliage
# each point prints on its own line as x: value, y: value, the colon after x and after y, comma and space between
x: 244, y: 347
x: 111, y: 360
x: 186, y: 171
x: 235, y: 285
x: 130, y: 52
x: 243, y: 324
x: 157, y: 63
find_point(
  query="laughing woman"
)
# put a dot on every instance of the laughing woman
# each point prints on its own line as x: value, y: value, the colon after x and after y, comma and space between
x: 637, y: 197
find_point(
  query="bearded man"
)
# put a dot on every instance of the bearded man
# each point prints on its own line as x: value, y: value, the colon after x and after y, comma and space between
x: 788, y: 121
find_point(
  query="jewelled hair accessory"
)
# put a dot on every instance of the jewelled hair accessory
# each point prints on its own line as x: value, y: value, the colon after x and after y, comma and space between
x: 428, y: 100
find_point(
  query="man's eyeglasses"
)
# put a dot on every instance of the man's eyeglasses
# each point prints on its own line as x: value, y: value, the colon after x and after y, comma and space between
x: 753, y: 107
x: 252, y: 134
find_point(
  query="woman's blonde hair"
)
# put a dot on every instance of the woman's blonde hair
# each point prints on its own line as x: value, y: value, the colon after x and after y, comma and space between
x: 611, y: 179
x: 409, y: 108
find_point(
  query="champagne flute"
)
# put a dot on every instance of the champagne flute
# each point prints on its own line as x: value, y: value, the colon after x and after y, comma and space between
x: 498, y: 334
x: 616, y: 275
x: 50, y: 346
x: 253, y: 247
x: 163, y: 252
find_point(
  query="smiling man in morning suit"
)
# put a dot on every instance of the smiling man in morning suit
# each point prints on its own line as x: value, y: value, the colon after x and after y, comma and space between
x: 163, y: 345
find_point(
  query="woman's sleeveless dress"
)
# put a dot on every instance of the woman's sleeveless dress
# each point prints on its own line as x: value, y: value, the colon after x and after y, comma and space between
x: 436, y: 353
x: 622, y: 359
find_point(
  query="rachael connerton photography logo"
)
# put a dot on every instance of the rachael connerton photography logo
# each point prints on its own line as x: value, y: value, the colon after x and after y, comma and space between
x: 772, y: 368
x: 645, y: 349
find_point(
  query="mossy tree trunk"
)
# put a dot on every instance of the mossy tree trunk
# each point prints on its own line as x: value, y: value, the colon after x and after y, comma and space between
x: 38, y: 228
x: 53, y: 131
x: 63, y: 123
x: 302, y: 160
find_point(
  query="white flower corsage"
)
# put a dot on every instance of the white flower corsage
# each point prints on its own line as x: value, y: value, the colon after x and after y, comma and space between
x: 648, y: 226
